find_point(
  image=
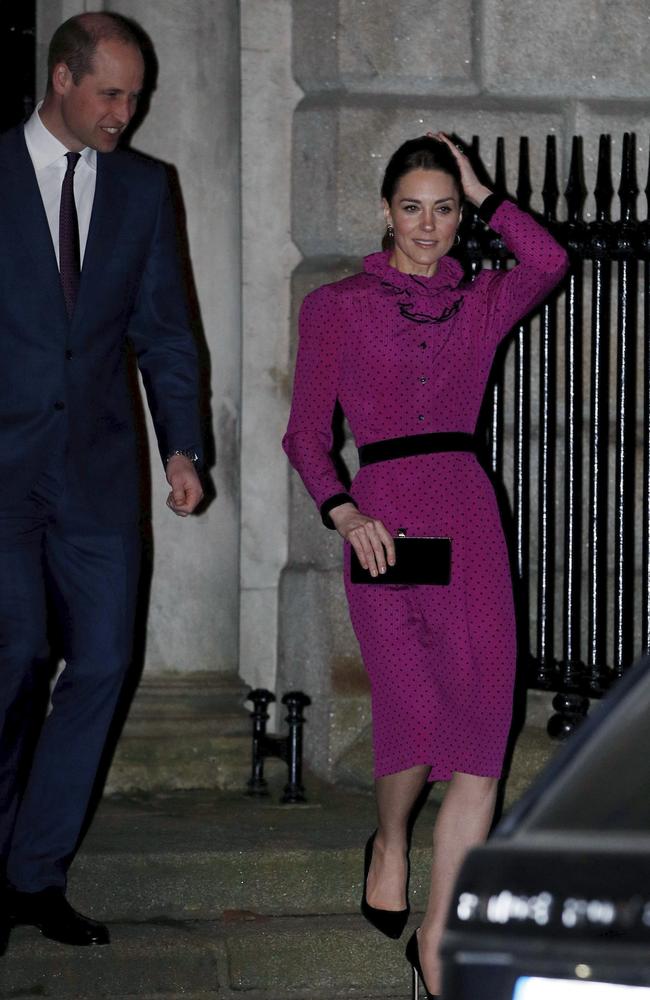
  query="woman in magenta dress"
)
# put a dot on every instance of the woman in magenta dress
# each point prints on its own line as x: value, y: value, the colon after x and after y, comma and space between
x: 406, y: 347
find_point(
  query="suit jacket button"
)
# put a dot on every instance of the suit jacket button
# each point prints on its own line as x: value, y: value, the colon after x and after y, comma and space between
x: 59, y: 405
x: 68, y: 355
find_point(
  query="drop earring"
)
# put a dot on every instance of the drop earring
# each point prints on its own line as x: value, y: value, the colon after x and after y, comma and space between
x: 388, y: 239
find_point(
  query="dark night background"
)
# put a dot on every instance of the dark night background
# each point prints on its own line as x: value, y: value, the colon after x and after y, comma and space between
x: 17, y: 55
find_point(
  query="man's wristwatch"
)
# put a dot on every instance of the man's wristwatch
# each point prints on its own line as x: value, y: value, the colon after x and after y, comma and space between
x: 186, y: 453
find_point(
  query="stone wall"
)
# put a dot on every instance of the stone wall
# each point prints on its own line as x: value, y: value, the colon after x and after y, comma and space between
x: 375, y: 73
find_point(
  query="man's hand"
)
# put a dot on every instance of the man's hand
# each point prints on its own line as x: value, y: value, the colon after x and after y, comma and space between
x: 367, y: 535
x: 186, y: 489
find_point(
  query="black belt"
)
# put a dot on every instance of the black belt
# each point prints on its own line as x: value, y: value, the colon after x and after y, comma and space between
x: 416, y: 444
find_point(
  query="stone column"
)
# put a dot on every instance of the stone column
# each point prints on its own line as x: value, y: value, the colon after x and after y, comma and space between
x: 269, y: 95
x: 194, y: 123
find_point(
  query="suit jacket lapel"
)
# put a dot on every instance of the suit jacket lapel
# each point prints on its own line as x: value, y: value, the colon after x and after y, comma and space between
x: 106, y: 220
x: 24, y: 209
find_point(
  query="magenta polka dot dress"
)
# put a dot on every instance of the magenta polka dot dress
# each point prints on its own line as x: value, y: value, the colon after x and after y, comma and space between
x: 406, y: 354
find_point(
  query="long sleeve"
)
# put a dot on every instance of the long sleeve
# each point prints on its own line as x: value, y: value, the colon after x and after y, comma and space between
x: 308, y: 440
x: 160, y: 330
x: 541, y: 264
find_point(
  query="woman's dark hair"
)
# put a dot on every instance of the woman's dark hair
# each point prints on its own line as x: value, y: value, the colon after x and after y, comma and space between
x: 423, y: 153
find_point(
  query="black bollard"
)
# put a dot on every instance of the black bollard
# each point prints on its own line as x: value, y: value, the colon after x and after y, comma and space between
x: 296, y: 702
x: 288, y: 749
x: 261, y: 699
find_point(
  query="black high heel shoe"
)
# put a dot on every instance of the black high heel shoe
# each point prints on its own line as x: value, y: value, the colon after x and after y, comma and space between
x: 389, y: 922
x: 413, y: 956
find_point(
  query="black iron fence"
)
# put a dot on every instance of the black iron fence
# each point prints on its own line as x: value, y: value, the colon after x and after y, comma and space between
x: 568, y: 432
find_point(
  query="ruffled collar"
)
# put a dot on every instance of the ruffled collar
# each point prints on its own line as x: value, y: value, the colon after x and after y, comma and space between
x: 420, y: 299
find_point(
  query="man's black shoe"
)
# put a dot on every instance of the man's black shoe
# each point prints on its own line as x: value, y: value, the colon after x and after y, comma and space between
x: 50, y: 911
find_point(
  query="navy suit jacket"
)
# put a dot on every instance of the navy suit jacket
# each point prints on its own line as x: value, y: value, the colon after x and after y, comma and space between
x: 64, y: 384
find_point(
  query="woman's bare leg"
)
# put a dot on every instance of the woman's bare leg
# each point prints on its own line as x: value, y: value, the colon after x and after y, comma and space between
x: 463, y: 821
x: 396, y: 795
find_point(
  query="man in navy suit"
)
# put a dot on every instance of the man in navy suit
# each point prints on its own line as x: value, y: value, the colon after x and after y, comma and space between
x: 88, y: 265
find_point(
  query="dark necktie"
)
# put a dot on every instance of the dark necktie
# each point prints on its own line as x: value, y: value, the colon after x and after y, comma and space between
x: 69, y: 258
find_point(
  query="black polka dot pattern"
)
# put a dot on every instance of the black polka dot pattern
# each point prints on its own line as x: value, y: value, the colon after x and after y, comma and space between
x: 409, y: 355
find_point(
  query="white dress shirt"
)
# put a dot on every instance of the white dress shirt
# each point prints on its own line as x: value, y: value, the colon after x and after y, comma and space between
x: 48, y: 156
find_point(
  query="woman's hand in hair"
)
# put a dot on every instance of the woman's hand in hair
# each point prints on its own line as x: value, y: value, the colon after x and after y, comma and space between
x: 474, y: 191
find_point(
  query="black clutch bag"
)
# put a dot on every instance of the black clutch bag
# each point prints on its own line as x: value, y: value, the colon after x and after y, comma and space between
x: 418, y: 561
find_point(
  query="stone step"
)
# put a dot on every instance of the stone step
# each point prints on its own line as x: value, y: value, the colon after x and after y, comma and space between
x: 268, y: 958
x: 172, y: 761
x: 223, y: 995
x: 203, y: 855
x: 141, y: 960
x: 334, y: 956
x: 200, y: 854
x: 192, y: 696
x: 184, y: 731
x: 211, y: 894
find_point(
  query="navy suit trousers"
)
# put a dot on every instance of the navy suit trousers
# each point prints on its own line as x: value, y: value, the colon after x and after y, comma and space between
x: 54, y: 553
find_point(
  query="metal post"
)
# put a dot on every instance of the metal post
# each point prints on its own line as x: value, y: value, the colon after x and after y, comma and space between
x: 572, y: 660
x: 626, y: 420
x: 644, y: 247
x: 600, y: 249
x: 261, y: 699
x: 546, y: 667
x: 296, y: 702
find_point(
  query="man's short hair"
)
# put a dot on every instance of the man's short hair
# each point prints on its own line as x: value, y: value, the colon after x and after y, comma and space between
x: 75, y: 41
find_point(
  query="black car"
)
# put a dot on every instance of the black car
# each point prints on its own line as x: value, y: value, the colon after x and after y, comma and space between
x: 556, y: 906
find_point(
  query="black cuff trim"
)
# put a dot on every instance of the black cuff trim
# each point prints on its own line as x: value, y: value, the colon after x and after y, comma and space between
x: 488, y: 207
x: 328, y: 505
